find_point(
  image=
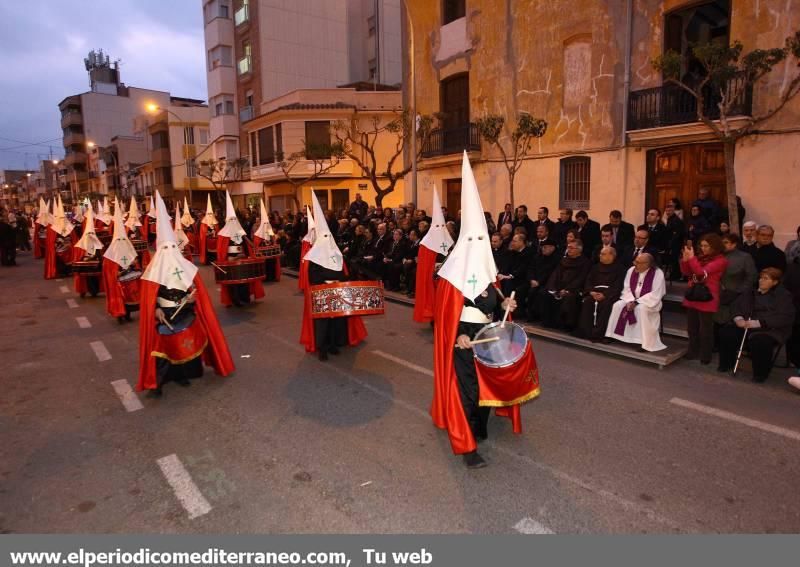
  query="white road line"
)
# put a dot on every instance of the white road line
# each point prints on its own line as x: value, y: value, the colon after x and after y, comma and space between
x: 100, y: 351
x: 72, y: 303
x: 63, y: 288
x: 184, y: 487
x: 708, y: 410
x: 532, y: 527
x: 83, y: 322
x: 403, y: 362
x: 126, y: 395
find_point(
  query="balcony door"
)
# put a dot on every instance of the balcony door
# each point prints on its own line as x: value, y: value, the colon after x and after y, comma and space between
x: 700, y: 23
x: 453, y: 197
x: 454, y: 105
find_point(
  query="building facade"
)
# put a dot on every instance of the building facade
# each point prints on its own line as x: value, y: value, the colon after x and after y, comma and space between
x: 617, y: 137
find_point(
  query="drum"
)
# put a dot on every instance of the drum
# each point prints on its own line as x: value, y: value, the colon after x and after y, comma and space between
x: 240, y: 271
x: 268, y: 251
x: 86, y: 267
x: 182, y: 322
x: 139, y: 245
x: 104, y: 236
x: 130, y: 284
x: 506, y: 350
x: 340, y: 299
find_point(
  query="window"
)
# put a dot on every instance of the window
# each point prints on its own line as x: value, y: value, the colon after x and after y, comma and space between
x: 164, y: 175
x: 242, y: 14
x: 318, y: 140
x: 224, y: 10
x: 373, y: 68
x: 203, y: 135
x: 574, y: 184
x: 221, y: 55
x: 160, y: 140
x: 453, y: 10
x: 253, y: 147
x: 278, y: 142
x: 454, y: 102
x: 246, y: 61
x: 340, y: 198
x: 223, y: 104
x: 188, y: 135
x: 322, y: 197
x: 266, y: 146
x: 696, y: 25
x: 191, y: 168
x: 371, y: 26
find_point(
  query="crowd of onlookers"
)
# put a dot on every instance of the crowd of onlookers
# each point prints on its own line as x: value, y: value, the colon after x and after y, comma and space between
x: 15, y: 233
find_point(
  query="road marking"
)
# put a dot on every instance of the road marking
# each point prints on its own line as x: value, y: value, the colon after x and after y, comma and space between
x: 72, y: 303
x: 708, y: 410
x: 59, y: 279
x: 64, y: 289
x: 184, y: 487
x: 628, y: 505
x: 403, y: 362
x: 126, y: 395
x: 100, y: 351
x: 83, y: 322
x: 532, y: 527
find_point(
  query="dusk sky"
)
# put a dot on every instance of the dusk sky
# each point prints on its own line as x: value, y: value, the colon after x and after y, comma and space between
x: 159, y: 43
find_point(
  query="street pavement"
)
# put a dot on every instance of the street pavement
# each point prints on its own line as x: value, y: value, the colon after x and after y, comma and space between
x: 288, y: 444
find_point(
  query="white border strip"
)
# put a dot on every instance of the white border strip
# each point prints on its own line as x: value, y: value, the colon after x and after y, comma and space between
x: 529, y: 526
x: 126, y: 395
x: 184, y: 487
x: 72, y: 303
x: 83, y: 322
x: 100, y: 351
x: 403, y: 362
x: 64, y: 289
x: 708, y: 410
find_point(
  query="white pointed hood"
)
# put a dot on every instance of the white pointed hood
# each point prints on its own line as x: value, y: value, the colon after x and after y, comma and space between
x: 264, y: 230
x: 186, y: 218
x: 61, y: 224
x: 77, y: 213
x: 232, y: 228
x: 44, y: 217
x: 209, y: 217
x: 180, y: 236
x: 133, y: 216
x: 89, y: 241
x: 104, y: 214
x: 120, y: 251
x: 311, y: 235
x: 438, y: 237
x: 151, y: 212
x: 168, y: 266
x: 325, y: 252
x: 470, y: 266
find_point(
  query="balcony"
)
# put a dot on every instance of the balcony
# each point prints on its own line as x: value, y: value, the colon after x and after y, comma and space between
x: 245, y: 113
x: 244, y: 65
x: 670, y: 105
x: 75, y: 158
x: 452, y: 141
x: 241, y: 15
x: 73, y: 138
x: 71, y: 118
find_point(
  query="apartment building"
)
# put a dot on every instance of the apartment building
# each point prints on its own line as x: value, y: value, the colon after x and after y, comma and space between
x: 618, y: 137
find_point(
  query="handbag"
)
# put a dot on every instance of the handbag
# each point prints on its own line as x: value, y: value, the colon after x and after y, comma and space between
x: 699, y: 291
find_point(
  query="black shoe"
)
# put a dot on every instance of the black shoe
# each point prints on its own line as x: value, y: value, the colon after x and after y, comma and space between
x: 128, y: 317
x: 154, y: 393
x: 482, y: 437
x: 323, y: 356
x: 120, y: 320
x: 473, y: 460
x: 334, y: 350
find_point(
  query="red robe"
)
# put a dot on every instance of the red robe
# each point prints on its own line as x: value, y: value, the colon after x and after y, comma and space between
x: 50, y: 268
x: 37, y: 245
x: 446, y: 409
x: 146, y: 222
x: 356, y: 330
x: 302, y: 281
x: 256, y: 287
x: 81, y: 286
x: 115, y: 298
x: 202, y: 241
x: 258, y: 241
x: 215, y: 354
x: 424, y: 290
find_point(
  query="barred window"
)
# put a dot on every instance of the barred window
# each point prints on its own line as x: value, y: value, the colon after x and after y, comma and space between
x: 575, y: 183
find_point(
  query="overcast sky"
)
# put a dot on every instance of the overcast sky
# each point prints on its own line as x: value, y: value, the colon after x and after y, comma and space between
x: 44, y: 42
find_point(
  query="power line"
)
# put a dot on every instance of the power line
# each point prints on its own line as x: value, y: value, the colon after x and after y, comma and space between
x: 25, y: 144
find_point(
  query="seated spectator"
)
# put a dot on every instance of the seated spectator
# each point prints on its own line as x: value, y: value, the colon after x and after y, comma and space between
x: 364, y: 256
x: 766, y: 254
x: 792, y: 250
x: 641, y: 245
x: 540, y: 269
x: 498, y: 251
x: 606, y: 239
x: 542, y: 235
x: 749, y: 240
x: 657, y: 232
x: 676, y: 235
x: 602, y: 289
x: 623, y: 231
x: 767, y: 314
x: 564, y: 224
x: 698, y: 225
x: 393, y: 260
x: 636, y: 317
x: 513, y: 275
x: 724, y: 229
x: 559, y: 306
x: 570, y: 237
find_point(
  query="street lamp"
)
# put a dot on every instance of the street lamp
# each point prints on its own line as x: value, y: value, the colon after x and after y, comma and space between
x: 152, y: 108
x: 117, y: 183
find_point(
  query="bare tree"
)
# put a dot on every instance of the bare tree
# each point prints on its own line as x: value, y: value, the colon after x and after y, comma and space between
x: 221, y: 172
x: 727, y: 80
x: 312, y: 162
x: 494, y: 130
x: 383, y: 170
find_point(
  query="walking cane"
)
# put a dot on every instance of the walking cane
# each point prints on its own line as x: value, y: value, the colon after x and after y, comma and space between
x: 741, y: 348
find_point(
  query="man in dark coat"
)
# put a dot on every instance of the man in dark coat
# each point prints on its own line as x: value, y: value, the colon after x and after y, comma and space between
x: 559, y: 306
x: 506, y: 216
x: 602, y: 288
x: 540, y: 269
x: 657, y: 231
x: 767, y: 255
x: 358, y: 209
x: 393, y: 260
x: 8, y: 241
x: 641, y: 245
x: 676, y: 236
x: 588, y: 232
x: 410, y: 262
x: 622, y: 231
x: 513, y: 275
x: 563, y: 225
x: 542, y: 218
x: 499, y: 252
x: 523, y: 221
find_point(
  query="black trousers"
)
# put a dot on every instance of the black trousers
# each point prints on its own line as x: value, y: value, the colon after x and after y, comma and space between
x: 240, y: 293
x: 410, y: 274
x: 587, y: 328
x: 168, y: 372
x: 760, y: 345
x: 793, y: 345
x: 477, y: 416
x: 8, y: 255
x: 700, y: 326
x: 331, y: 332
x: 559, y: 313
x: 392, y: 275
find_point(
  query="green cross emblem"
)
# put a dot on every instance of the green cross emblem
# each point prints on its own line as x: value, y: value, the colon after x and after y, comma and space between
x: 124, y: 259
x: 177, y: 273
x: 444, y: 246
x: 473, y: 281
x: 334, y: 259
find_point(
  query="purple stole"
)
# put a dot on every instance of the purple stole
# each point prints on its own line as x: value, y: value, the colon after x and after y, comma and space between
x: 627, y: 317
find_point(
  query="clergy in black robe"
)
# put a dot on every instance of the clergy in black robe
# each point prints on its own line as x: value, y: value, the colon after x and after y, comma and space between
x: 602, y: 288
x: 539, y: 271
x: 559, y: 306
x: 513, y: 274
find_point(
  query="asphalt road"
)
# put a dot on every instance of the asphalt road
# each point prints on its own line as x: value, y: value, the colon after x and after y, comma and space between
x: 288, y: 444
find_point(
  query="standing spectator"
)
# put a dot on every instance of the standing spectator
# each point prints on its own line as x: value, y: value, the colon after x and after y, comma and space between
x: 698, y: 225
x: 707, y: 268
x: 513, y: 274
x: 358, y: 208
x: 588, y: 232
x: 677, y: 209
x: 507, y: 216
x: 766, y: 254
x: 768, y: 315
x: 676, y: 234
x: 749, y: 241
x: 622, y: 232
x: 709, y: 208
x: 490, y: 226
x: 410, y: 262
x: 564, y: 224
x: 641, y: 245
x: 657, y: 230
x: 523, y: 220
x: 542, y: 218
x: 8, y: 242
x: 724, y: 229
x: 740, y: 277
x: 792, y: 249
x: 23, y: 232
x: 498, y: 252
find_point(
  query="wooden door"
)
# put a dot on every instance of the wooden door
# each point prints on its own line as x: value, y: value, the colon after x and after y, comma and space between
x: 453, y: 197
x: 680, y: 172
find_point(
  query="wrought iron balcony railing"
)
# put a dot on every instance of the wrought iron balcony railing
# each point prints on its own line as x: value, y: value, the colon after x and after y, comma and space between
x: 452, y: 141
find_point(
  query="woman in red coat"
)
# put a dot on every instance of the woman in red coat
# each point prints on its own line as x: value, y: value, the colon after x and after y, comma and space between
x: 707, y: 267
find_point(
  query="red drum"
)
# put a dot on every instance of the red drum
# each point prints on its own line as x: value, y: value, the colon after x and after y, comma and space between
x: 130, y: 284
x: 341, y: 299
x: 87, y: 267
x: 271, y: 251
x: 139, y: 245
x: 240, y: 271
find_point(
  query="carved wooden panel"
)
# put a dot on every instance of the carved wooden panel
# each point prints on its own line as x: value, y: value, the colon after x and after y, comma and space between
x: 668, y: 161
x: 712, y: 159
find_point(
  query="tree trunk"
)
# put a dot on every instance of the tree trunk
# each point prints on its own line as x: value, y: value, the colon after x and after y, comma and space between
x: 511, y: 189
x: 729, y: 147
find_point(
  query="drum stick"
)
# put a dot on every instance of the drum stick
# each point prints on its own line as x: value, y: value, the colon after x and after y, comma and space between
x: 168, y: 325
x: 481, y: 341
x: 505, y: 315
x: 217, y: 267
